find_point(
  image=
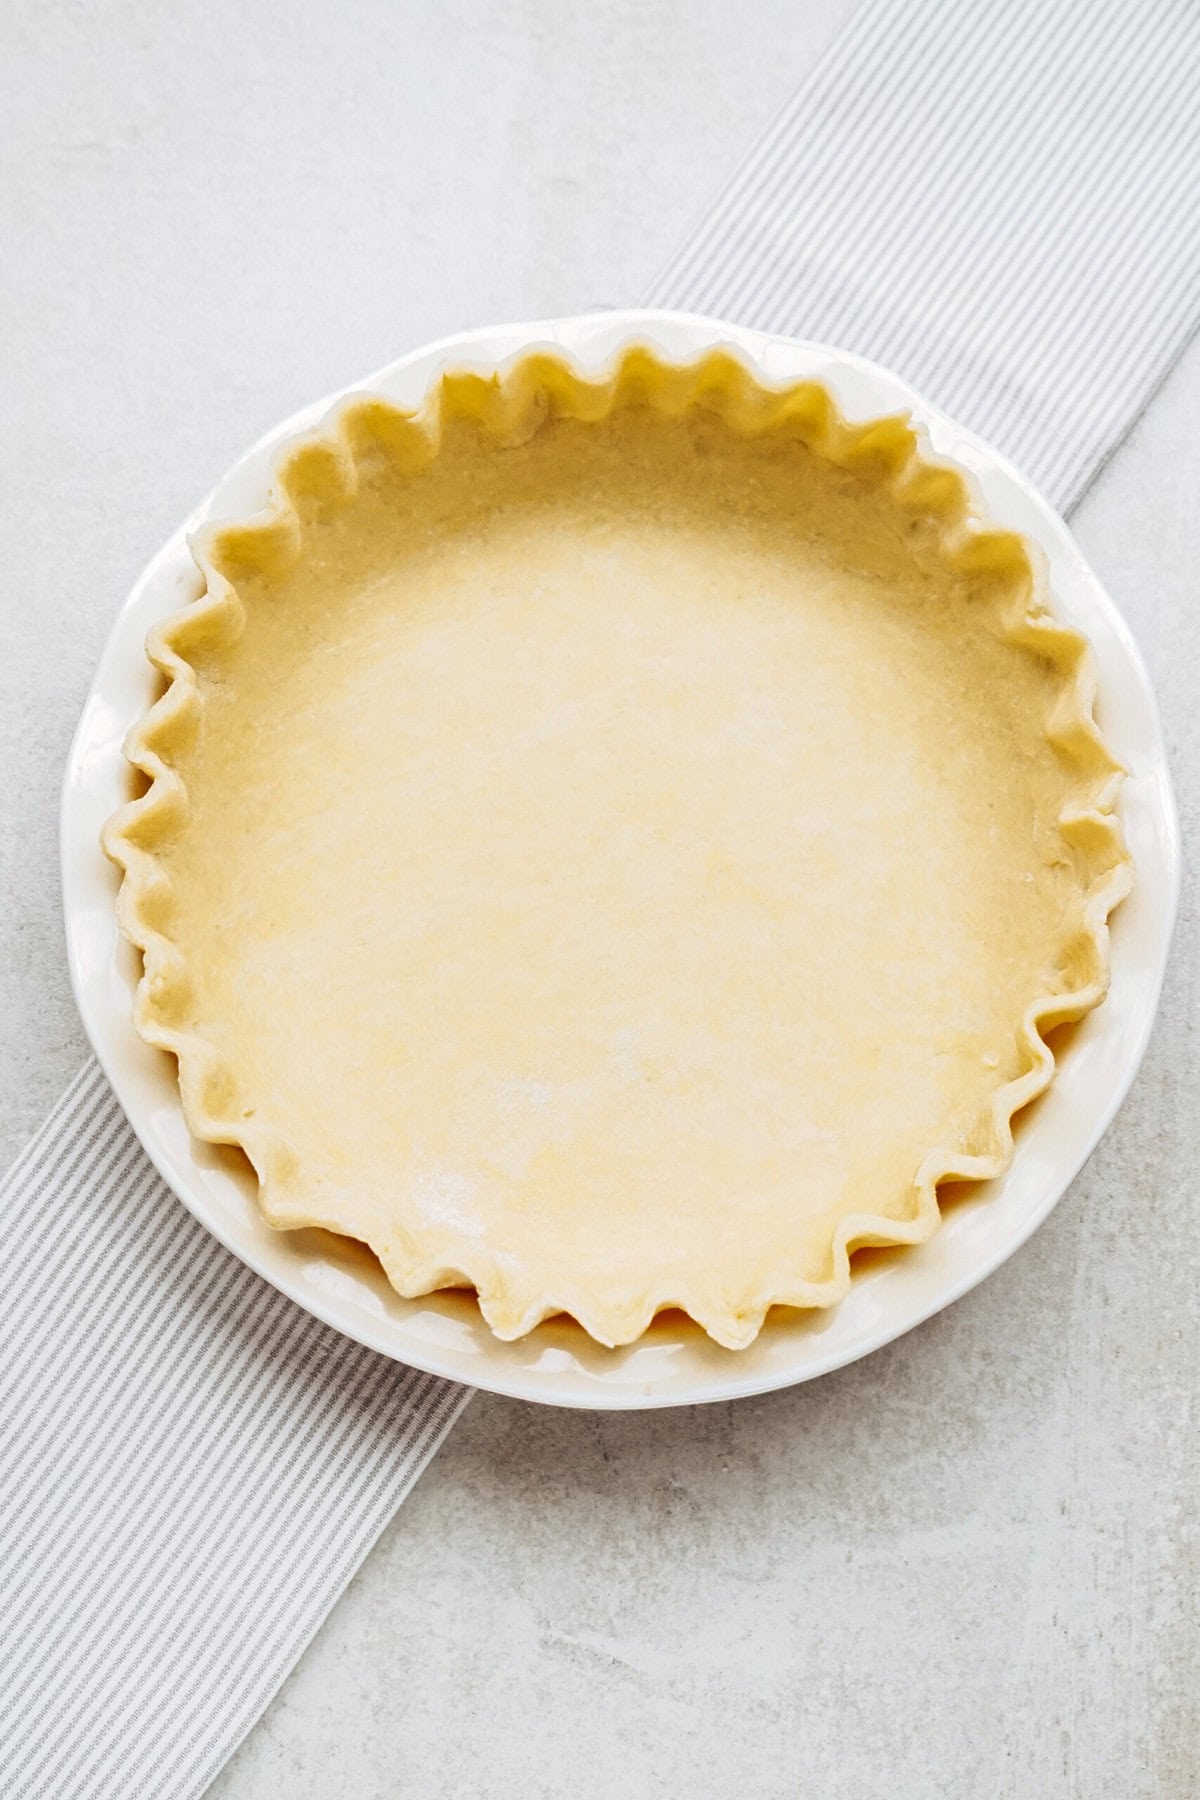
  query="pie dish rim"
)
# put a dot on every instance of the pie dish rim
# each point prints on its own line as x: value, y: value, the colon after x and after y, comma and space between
x: 773, y: 358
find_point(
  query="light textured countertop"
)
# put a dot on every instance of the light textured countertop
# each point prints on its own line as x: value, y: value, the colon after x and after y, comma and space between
x: 965, y: 1567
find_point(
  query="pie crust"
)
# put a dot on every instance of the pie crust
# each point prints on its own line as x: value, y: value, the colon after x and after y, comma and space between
x: 617, y: 843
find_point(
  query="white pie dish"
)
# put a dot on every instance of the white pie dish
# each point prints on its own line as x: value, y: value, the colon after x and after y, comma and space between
x: 673, y: 1363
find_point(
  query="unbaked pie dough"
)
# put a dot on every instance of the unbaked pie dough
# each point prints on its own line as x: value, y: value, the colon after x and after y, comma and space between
x: 617, y: 844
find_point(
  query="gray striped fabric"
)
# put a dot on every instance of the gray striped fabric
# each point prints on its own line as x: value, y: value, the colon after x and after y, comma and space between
x: 191, y: 1469
x: 1000, y: 199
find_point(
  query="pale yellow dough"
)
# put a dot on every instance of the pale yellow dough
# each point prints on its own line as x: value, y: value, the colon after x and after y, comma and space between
x: 615, y: 846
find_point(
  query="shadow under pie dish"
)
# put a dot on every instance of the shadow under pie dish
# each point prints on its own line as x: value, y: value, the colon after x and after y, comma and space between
x: 617, y: 842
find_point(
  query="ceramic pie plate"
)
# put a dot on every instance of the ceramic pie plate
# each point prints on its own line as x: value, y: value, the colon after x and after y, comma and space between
x: 672, y: 1362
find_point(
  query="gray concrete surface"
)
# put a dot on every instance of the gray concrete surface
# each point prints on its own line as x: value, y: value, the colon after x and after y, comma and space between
x: 966, y: 1567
